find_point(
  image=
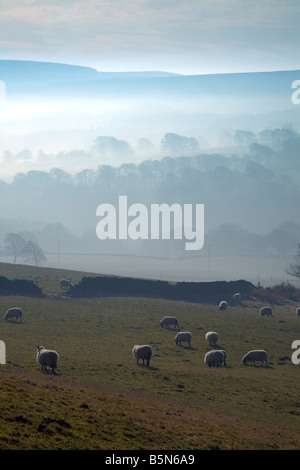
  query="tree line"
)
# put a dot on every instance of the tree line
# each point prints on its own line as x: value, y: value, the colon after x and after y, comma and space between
x: 23, y: 246
x: 233, y: 188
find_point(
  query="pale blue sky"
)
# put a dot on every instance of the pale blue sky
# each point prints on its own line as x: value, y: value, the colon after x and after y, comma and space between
x: 190, y: 37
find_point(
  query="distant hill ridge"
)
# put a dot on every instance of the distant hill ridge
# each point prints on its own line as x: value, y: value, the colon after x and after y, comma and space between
x: 33, y: 71
x: 25, y: 72
x: 30, y: 71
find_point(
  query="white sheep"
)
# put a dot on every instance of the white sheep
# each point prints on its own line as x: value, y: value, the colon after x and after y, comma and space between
x: 266, y: 311
x: 257, y: 355
x: 13, y: 312
x: 143, y: 352
x: 183, y: 336
x: 215, y: 358
x: 65, y: 284
x: 298, y: 311
x: 223, y: 305
x: 47, y: 357
x: 166, y: 321
x: 224, y: 356
x: 212, y: 337
x: 237, y: 297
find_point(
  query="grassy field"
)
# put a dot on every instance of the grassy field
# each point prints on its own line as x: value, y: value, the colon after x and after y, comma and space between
x: 101, y: 399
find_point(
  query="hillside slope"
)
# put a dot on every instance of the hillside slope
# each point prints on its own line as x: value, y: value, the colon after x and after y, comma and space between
x: 48, y: 78
x: 101, y: 399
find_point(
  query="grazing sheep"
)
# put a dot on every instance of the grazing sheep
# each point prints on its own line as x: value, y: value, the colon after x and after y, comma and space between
x: 257, y: 355
x: 212, y: 337
x: 166, y: 321
x: 183, y: 336
x: 143, y: 352
x: 14, y: 312
x: 65, y: 284
x: 237, y: 297
x: 47, y: 357
x: 223, y: 305
x: 215, y: 358
x: 298, y: 311
x: 266, y: 311
x: 224, y: 355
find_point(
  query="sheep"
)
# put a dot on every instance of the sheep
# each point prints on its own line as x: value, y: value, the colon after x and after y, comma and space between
x: 212, y: 337
x: 183, y: 336
x: 14, y: 312
x: 166, y: 321
x: 298, y: 311
x: 254, y: 356
x: 47, y: 357
x: 65, y: 283
x: 223, y: 305
x: 143, y: 352
x: 266, y: 311
x: 224, y: 356
x: 237, y: 297
x: 215, y: 358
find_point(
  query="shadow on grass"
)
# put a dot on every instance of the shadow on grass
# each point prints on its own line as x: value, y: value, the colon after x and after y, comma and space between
x: 15, y: 322
x: 258, y: 366
x: 50, y: 372
x: 148, y: 367
x: 190, y: 348
x: 215, y: 347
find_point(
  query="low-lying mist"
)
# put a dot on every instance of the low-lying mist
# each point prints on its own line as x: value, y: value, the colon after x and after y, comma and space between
x: 229, y: 142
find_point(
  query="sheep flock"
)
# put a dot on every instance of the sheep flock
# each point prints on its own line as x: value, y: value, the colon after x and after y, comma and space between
x: 216, y: 357
x: 213, y: 358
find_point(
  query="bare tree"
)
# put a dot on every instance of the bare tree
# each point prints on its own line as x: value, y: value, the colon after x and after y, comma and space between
x: 15, y: 245
x: 34, y: 253
x: 294, y: 268
x: 23, y: 245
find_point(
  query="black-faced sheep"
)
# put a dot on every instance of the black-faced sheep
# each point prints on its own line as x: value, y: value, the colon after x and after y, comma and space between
x: 257, y: 355
x: 215, y: 358
x: 167, y: 321
x: 212, y: 337
x: 183, y: 336
x: 266, y: 311
x: 14, y: 312
x: 298, y: 311
x: 143, y: 352
x: 47, y: 358
x: 223, y: 305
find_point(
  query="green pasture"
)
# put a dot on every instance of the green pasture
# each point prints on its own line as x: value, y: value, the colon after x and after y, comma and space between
x: 100, y: 397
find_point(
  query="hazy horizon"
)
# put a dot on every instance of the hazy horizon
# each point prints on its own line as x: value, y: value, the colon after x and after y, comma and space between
x: 193, y: 37
x: 218, y: 127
